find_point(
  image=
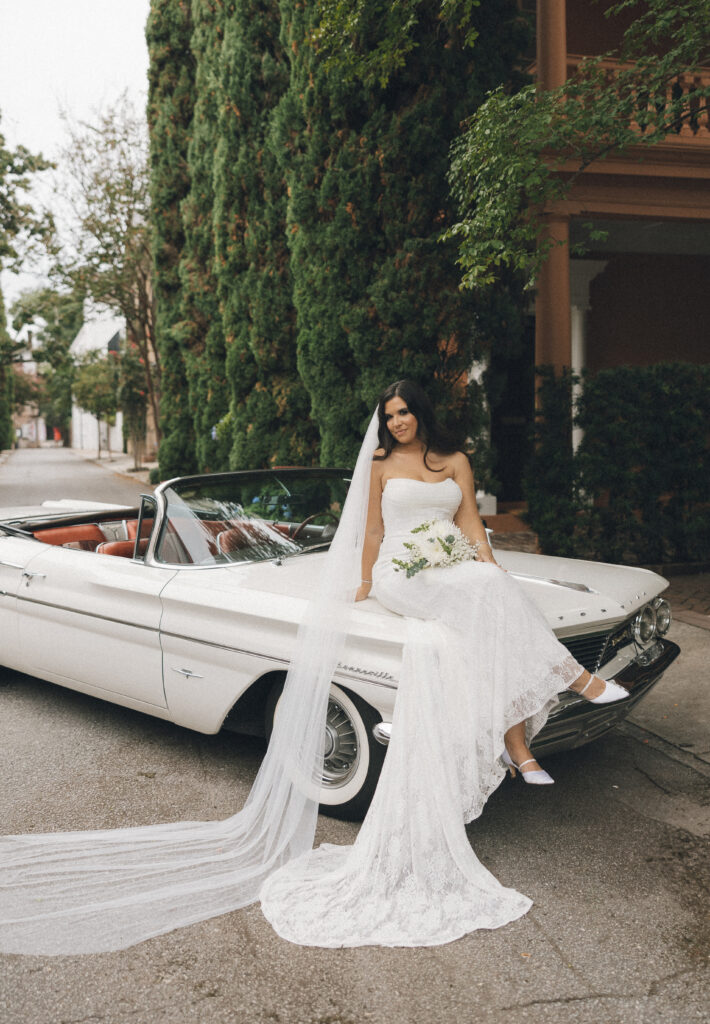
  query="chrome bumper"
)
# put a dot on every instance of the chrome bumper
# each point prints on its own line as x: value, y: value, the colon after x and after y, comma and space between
x: 575, y: 721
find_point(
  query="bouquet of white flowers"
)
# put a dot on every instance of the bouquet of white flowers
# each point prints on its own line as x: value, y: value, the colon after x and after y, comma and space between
x: 437, y: 543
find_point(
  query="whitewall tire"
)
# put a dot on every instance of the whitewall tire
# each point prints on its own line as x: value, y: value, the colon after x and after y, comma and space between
x: 353, y: 757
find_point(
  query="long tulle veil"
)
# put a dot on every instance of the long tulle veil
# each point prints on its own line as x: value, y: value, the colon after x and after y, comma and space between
x: 88, y: 892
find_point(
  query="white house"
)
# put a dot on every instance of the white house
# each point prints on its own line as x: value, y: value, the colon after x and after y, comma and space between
x: 102, y: 331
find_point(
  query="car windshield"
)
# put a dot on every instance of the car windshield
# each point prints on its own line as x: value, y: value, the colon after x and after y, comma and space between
x: 247, y: 517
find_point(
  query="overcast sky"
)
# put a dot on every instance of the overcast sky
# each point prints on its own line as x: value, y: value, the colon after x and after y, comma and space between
x: 75, y: 55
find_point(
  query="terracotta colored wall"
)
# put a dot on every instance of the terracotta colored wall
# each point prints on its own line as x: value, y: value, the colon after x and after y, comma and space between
x: 649, y: 309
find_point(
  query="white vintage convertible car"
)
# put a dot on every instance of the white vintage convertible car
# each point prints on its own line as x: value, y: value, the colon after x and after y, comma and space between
x: 187, y: 608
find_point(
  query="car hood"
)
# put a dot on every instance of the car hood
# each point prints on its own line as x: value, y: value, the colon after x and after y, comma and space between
x: 574, y: 595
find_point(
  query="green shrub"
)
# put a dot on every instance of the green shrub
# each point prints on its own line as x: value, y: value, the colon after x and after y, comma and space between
x: 638, y: 488
x: 550, y: 483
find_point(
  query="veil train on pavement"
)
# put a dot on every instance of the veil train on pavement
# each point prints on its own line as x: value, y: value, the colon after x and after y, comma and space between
x: 96, y: 891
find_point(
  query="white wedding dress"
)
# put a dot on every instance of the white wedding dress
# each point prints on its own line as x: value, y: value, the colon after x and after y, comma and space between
x: 479, y: 658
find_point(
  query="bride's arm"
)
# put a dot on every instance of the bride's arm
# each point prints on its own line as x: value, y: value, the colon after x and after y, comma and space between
x: 467, y: 517
x: 374, y: 532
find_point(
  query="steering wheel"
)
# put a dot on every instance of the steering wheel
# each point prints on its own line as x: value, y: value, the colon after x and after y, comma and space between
x: 309, y: 519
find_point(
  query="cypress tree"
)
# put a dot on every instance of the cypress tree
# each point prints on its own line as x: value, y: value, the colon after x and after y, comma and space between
x: 376, y: 293
x: 171, y: 78
x: 329, y: 248
x: 269, y: 413
x: 200, y: 330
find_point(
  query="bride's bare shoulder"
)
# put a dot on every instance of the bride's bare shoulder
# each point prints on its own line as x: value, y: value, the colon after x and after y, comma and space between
x: 461, y: 464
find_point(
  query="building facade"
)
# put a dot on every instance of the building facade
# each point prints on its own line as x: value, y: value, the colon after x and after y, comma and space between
x: 638, y: 296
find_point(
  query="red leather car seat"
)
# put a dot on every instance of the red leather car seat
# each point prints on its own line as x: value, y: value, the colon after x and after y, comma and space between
x: 87, y: 534
x: 122, y: 548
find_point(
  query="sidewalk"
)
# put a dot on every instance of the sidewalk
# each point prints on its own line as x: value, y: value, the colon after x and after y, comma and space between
x: 118, y: 463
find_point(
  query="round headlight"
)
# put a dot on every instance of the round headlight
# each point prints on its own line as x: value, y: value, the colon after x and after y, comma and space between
x: 663, y: 616
x: 644, y: 625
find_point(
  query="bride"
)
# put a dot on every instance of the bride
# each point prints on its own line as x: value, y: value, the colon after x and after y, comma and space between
x: 480, y: 671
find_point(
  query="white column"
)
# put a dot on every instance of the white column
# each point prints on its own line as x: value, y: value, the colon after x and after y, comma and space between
x: 582, y: 273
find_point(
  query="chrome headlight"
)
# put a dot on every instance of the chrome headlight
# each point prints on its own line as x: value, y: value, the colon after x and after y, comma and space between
x: 663, y: 616
x: 643, y: 628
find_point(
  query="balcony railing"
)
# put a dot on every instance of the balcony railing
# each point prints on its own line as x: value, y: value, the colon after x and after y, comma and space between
x: 694, y: 126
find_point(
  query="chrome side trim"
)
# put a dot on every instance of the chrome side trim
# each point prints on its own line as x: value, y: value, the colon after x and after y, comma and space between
x: 224, y: 647
x: 89, y: 615
x: 340, y: 673
x: 346, y: 672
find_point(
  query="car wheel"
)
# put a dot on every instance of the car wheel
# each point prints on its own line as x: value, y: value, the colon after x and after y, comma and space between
x: 353, y: 757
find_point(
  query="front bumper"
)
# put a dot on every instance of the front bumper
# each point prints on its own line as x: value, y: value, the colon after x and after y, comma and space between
x: 575, y: 721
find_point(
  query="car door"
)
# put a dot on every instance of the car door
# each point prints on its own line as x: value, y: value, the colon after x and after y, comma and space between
x: 16, y: 554
x: 217, y: 637
x: 91, y: 621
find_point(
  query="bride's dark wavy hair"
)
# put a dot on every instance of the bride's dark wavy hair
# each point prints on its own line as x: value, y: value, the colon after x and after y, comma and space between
x: 434, y: 437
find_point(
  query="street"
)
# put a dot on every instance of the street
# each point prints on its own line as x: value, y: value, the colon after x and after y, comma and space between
x: 614, y: 856
x: 32, y: 475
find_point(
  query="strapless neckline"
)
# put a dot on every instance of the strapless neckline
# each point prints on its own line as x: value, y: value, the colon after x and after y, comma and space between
x: 430, y: 483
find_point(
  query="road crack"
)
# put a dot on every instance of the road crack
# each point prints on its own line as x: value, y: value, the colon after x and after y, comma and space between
x: 565, y: 1000
x: 668, y: 792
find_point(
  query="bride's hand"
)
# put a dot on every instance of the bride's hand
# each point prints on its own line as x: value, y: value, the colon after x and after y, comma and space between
x: 492, y: 561
x: 363, y: 591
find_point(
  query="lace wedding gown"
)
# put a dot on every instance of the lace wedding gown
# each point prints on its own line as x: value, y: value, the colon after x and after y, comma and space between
x: 479, y: 658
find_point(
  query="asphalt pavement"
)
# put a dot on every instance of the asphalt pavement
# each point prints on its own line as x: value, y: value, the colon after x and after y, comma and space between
x: 614, y: 857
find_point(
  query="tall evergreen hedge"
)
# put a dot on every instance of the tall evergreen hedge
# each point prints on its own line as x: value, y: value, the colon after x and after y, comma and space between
x: 200, y: 331
x: 376, y: 293
x: 269, y: 420
x: 171, y: 85
x: 311, y: 274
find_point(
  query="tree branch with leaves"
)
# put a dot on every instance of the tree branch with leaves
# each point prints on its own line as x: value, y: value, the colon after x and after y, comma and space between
x: 521, y: 153
x: 107, y: 255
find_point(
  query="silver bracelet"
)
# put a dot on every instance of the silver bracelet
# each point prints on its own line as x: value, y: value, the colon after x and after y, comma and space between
x: 366, y: 581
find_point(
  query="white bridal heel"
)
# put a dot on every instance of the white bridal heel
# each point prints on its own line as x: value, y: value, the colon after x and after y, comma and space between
x: 611, y: 692
x: 536, y: 778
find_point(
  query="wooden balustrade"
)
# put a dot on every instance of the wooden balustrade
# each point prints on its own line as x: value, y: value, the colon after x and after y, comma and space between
x: 686, y: 87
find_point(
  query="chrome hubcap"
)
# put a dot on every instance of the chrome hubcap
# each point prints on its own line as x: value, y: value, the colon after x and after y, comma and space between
x: 341, y: 751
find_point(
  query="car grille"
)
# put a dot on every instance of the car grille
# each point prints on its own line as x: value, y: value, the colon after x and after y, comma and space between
x: 596, y: 649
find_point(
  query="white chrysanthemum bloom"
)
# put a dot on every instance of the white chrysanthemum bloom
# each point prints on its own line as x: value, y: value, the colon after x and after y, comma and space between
x: 434, y: 544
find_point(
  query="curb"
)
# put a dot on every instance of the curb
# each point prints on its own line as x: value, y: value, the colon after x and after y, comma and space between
x: 692, y: 618
x: 657, y: 742
x: 141, y: 476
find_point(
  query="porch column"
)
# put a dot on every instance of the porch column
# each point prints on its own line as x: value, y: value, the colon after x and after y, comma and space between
x: 552, y: 312
x: 582, y: 273
x: 551, y: 40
